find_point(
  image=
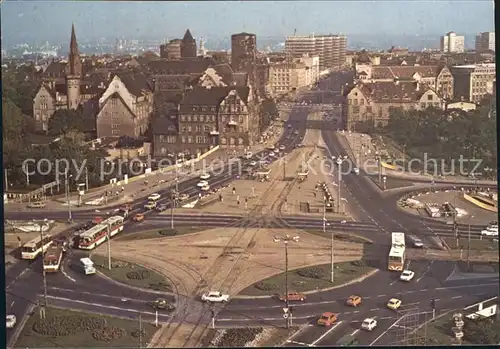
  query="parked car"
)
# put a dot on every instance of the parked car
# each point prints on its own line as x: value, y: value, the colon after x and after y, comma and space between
x: 162, y: 304
x: 10, y: 321
x: 204, y: 176
x: 215, y: 297
x: 293, y: 296
x: 154, y: 197
x: 354, y: 301
x: 37, y: 204
x: 369, y: 324
x: 161, y: 208
x: 327, y: 319
x: 150, y: 205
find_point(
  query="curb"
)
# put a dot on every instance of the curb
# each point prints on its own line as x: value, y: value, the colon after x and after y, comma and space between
x: 359, y: 279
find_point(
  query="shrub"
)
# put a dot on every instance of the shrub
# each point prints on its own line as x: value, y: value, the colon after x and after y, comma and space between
x: 108, y: 334
x: 67, y: 325
x: 168, y: 232
x: 138, y: 275
x: 238, y: 337
x: 312, y: 273
x: 266, y: 286
x: 136, y: 333
x: 358, y: 263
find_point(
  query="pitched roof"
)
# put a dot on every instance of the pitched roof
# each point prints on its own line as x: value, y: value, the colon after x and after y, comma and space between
x: 213, y: 96
x: 187, y: 36
x: 391, y: 92
x: 55, y: 69
x: 136, y: 83
x: 404, y: 72
x: 181, y: 67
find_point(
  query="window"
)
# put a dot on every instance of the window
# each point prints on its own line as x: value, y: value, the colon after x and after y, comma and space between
x: 349, y: 101
x: 114, y: 126
x: 183, y: 117
x: 171, y: 139
x: 115, y: 132
x: 241, y: 119
x: 422, y: 105
x: 189, y: 118
x: 207, y: 128
x: 162, y: 138
x: 183, y: 128
x: 362, y: 101
x: 195, y: 118
x: 429, y: 97
x: 190, y: 128
x: 355, y: 109
x: 368, y: 109
x: 190, y: 139
x: 163, y: 150
x: 183, y: 139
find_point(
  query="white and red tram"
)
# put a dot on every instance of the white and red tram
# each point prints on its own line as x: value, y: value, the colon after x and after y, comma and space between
x: 96, y: 235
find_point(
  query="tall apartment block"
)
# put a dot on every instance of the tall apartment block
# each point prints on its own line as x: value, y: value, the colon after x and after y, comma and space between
x: 331, y: 49
x: 485, y: 42
x: 452, y: 43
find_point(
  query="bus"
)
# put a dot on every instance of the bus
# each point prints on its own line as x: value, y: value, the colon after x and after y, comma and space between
x: 52, y: 259
x: 96, y: 235
x: 397, y: 252
x: 33, y: 248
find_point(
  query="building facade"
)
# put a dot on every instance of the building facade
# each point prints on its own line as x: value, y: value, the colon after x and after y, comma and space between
x: 171, y: 50
x: 473, y: 82
x: 452, y: 43
x: 331, y: 49
x: 292, y: 74
x: 367, y: 106
x: 485, y: 42
x: 125, y: 107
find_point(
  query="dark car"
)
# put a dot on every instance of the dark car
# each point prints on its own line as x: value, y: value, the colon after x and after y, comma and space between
x: 160, y: 208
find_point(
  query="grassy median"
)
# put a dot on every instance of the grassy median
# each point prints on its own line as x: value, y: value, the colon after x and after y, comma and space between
x: 309, y: 279
x: 71, y: 329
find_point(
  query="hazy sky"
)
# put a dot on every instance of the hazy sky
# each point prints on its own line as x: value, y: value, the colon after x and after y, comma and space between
x: 51, y: 20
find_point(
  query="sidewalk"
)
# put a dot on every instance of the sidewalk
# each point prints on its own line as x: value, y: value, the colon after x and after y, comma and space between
x: 364, y: 150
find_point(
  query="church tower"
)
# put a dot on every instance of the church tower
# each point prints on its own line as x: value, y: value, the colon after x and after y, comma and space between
x: 188, y: 46
x: 73, y: 72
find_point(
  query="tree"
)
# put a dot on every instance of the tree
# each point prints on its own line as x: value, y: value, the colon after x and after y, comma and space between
x: 482, y: 331
x: 65, y: 121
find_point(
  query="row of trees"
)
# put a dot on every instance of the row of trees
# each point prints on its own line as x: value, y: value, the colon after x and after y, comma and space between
x: 445, y: 135
x: 18, y: 131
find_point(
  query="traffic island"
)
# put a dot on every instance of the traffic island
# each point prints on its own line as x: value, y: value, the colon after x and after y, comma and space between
x: 71, y: 329
x: 309, y: 279
x: 158, y: 233
x: 132, y: 274
x: 484, y: 244
x: 390, y: 182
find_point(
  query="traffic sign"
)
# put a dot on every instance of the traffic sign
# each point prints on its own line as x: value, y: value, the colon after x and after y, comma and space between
x: 285, y: 316
x: 285, y: 310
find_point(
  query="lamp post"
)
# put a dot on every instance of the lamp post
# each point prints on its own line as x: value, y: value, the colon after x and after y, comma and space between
x: 468, y: 245
x: 68, y: 196
x: 286, y: 239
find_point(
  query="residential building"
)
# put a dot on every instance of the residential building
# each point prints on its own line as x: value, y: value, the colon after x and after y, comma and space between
x: 473, y: 82
x: 367, y: 106
x: 452, y: 43
x: 331, y: 49
x: 437, y: 77
x: 125, y: 107
x: 485, y: 42
x: 312, y: 69
x: 286, y: 77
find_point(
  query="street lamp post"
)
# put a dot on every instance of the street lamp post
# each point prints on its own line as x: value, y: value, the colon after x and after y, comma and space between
x: 68, y: 195
x: 468, y: 245
x: 286, y: 239
x: 109, y: 246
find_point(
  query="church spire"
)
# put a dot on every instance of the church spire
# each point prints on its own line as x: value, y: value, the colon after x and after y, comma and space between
x: 73, y: 45
x: 74, y: 61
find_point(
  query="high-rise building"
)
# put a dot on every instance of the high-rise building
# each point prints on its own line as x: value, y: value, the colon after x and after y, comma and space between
x: 452, y: 43
x: 331, y: 49
x: 485, y: 42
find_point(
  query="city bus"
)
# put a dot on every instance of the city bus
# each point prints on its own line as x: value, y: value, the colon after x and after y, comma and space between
x: 52, y: 259
x: 33, y: 248
x: 96, y: 235
x: 397, y: 252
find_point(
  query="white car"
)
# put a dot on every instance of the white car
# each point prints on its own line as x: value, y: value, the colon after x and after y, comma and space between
x: 356, y: 170
x: 10, y: 321
x: 204, y: 176
x: 282, y: 147
x: 369, y: 324
x: 205, y: 188
x: 215, y: 297
x: 489, y: 232
x: 202, y: 184
x: 417, y: 242
x: 183, y: 197
x: 271, y: 154
x: 253, y: 163
x: 154, y: 197
x: 407, y: 275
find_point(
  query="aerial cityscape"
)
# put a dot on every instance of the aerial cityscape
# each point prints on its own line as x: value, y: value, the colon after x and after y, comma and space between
x: 250, y: 174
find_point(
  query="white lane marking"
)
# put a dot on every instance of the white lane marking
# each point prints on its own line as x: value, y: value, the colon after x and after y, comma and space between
x: 392, y: 283
x: 269, y: 318
x: 386, y: 317
x: 456, y: 297
x: 66, y: 275
x: 407, y: 304
x: 355, y: 331
x: 424, y: 290
x: 382, y: 295
x: 290, y: 339
x: 97, y: 305
x: 326, y: 333
x: 94, y: 294
x: 357, y: 311
x: 11, y: 304
x: 374, y: 309
x: 299, y: 343
x: 16, y: 278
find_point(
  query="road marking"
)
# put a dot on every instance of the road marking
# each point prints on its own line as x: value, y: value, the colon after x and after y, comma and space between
x: 367, y: 297
x: 17, y: 277
x: 11, y: 304
x: 357, y: 311
x: 299, y: 343
x: 355, y: 331
x: 392, y: 283
x: 410, y: 291
x: 66, y: 275
x: 135, y: 311
x: 374, y: 309
x: 382, y: 295
x: 437, y: 299
x: 424, y: 290
x: 386, y: 317
x: 326, y: 333
x: 269, y: 318
x: 94, y: 294
x: 456, y: 297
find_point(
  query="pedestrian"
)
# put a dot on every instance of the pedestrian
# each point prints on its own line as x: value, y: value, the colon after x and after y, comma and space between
x: 237, y: 197
x: 220, y: 197
x: 238, y: 202
x: 234, y: 190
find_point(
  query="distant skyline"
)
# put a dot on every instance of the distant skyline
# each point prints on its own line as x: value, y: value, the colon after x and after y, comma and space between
x: 36, y: 21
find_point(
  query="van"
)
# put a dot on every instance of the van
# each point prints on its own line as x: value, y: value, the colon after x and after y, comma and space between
x: 87, y: 265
